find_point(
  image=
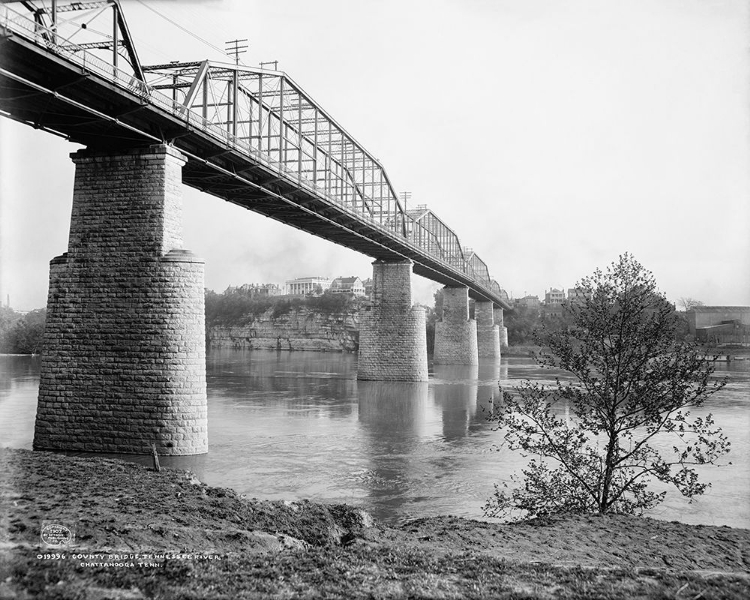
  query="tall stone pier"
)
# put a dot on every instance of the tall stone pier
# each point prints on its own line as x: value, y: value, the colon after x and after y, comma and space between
x: 488, y: 334
x: 124, y: 363
x: 498, y: 312
x: 455, y: 333
x: 392, y: 334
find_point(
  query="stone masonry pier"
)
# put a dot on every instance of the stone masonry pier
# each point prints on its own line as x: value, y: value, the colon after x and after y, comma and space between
x: 392, y: 335
x: 499, y: 321
x: 455, y: 333
x: 124, y: 360
x: 488, y: 334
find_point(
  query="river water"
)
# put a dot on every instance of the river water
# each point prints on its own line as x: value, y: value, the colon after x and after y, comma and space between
x: 296, y: 425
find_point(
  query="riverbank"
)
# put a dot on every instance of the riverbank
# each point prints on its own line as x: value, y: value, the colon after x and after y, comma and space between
x: 725, y: 354
x: 206, y: 542
x: 529, y: 350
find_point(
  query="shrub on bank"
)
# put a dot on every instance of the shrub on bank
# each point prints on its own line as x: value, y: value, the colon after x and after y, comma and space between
x: 21, y: 333
x: 234, y: 307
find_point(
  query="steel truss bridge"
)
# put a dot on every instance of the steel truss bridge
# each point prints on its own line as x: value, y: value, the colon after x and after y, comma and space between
x: 251, y: 136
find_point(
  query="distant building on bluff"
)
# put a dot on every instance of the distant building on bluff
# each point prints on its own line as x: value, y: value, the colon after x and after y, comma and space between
x: 531, y: 302
x: 720, y: 324
x: 576, y: 296
x: 303, y: 286
x: 554, y: 297
x: 348, y: 285
x: 553, y: 303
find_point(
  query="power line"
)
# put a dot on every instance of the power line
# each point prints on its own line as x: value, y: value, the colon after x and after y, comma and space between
x: 196, y: 36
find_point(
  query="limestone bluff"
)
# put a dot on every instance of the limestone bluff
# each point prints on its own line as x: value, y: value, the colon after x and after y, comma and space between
x: 300, y: 329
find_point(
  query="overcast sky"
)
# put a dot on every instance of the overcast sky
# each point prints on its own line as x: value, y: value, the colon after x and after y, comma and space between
x: 551, y: 135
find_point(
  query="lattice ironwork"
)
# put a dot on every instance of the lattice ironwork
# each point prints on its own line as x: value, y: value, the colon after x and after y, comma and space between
x: 78, y: 27
x: 269, y: 114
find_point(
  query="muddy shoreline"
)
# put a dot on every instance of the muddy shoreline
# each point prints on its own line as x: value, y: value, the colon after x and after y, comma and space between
x: 211, y: 543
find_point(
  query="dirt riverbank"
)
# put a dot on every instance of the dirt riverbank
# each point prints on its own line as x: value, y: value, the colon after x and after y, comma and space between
x: 143, y: 534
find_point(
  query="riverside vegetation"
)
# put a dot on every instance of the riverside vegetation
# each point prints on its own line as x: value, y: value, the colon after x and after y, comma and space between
x: 21, y: 333
x: 234, y: 307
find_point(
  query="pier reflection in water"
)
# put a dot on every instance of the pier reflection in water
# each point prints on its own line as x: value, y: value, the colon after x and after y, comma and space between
x: 299, y: 425
x: 394, y: 418
x: 419, y: 437
x: 455, y: 394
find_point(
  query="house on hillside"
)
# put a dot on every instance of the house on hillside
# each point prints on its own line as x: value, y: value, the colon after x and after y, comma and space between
x: 576, y: 296
x: 531, y: 302
x: 348, y: 285
x: 554, y: 296
x: 553, y: 303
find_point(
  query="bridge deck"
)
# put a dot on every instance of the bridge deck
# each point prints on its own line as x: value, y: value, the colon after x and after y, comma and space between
x: 43, y: 89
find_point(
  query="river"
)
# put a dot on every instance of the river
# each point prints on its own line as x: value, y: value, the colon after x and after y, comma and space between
x: 296, y: 425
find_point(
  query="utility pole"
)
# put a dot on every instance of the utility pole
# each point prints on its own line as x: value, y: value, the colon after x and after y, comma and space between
x: 235, y: 48
x: 275, y: 64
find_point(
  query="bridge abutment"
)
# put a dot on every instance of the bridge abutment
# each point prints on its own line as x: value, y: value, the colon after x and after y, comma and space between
x: 124, y: 348
x: 488, y: 334
x: 392, y: 335
x: 455, y: 333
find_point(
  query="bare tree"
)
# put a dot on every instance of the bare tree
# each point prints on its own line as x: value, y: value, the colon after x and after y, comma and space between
x: 689, y: 303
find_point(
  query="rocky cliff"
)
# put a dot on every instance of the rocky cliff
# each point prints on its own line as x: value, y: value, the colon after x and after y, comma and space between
x: 299, y: 329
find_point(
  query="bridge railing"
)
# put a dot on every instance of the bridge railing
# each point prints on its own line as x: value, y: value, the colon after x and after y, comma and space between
x: 312, y: 150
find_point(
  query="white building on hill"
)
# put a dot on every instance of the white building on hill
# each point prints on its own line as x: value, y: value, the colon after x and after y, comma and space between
x: 302, y: 286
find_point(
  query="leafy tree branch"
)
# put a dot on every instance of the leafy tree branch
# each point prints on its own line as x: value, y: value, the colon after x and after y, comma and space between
x: 633, y: 380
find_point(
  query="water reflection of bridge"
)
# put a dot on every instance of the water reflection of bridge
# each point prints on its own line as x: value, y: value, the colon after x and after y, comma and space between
x: 409, y: 424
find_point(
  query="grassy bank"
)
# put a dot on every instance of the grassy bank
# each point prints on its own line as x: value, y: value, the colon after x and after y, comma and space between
x: 197, y: 542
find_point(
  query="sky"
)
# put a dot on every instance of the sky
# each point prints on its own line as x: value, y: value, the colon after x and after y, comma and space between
x: 550, y: 135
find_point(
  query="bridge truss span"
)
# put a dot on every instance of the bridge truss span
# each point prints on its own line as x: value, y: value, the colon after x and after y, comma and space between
x: 272, y: 118
x: 252, y: 136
